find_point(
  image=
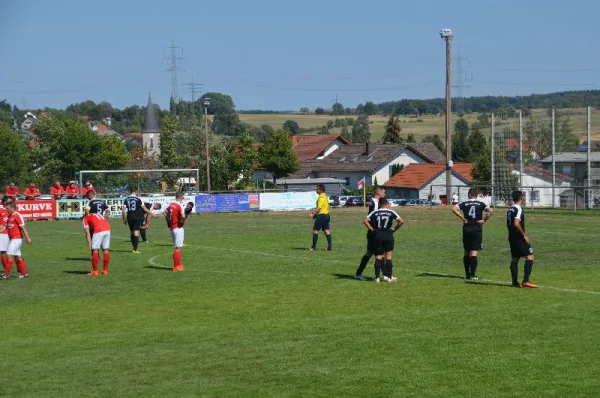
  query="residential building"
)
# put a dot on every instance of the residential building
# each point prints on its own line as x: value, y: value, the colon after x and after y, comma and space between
x: 537, y: 186
x: 373, y: 162
x: 572, y: 164
x: 333, y: 186
x: 101, y: 129
x: 428, y: 181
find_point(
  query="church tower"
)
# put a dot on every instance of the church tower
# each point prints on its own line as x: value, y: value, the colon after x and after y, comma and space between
x: 150, y: 131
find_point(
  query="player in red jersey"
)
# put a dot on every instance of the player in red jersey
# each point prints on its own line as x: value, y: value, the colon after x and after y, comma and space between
x: 4, y: 239
x: 176, y: 215
x: 100, y: 240
x: 16, y: 231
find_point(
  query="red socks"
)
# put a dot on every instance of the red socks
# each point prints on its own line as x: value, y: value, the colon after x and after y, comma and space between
x: 106, y: 260
x: 8, y: 267
x: 95, y: 261
x: 21, y: 267
x: 4, y: 260
x: 176, y: 258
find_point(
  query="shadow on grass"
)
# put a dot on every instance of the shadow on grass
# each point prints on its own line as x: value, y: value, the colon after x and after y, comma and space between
x: 77, y: 259
x: 164, y: 245
x: 345, y: 276
x: 76, y: 272
x: 438, y: 275
x: 299, y: 248
x: 489, y: 283
x: 158, y: 267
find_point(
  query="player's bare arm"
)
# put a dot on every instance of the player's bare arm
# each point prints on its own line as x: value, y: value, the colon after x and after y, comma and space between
x: 2, y: 228
x: 314, y: 211
x: 517, y: 225
x: 399, y: 224
x: 88, y: 237
x: 26, y: 234
x: 488, y: 214
x: 106, y: 213
x: 367, y: 223
x: 123, y: 214
x: 458, y: 213
x: 148, y: 211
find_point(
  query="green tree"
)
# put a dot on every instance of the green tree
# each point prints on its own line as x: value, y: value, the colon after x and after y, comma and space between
x: 291, y: 126
x: 505, y: 181
x: 14, y: 157
x: 338, y: 109
x: 360, y: 131
x: 330, y: 124
x: 410, y: 139
x: 304, y: 110
x: 277, y: 157
x: 461, y: 151
x: 537, y: 136
x: 435, y: 140
x: 169, y: 156
x: 246, y: 159
x: 461, y: 127
x: 112, y: 153
x: 369, y: 108
x: 392, y: 132
x: 346, y: 133
x: 477, y: 142
x: 267, y: 128
x: 396, y: 168
x: 324, y: 130
x: 319, y: 111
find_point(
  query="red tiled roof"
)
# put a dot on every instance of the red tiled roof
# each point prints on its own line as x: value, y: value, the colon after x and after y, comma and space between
x: 416, y: 176
x: 309, y: 147
x: 513, y: 143
x: 101, y: 127
x: 541, y: 173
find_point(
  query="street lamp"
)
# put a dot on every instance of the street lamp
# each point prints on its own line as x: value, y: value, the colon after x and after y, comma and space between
x: 206, y: 104
x: 447, y: 35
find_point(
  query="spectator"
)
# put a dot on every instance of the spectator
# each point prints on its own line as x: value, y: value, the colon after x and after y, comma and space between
x: 72, y: 190
x: 31, y: 192
x: 12, y: 191
x: 57, y: 191
x: 87, y: 187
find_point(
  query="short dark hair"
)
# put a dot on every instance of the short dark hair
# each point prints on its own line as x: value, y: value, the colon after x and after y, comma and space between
x: 6, y: 199
x: 473, y: 192
x: 90, y: 193
x: 321, y: 187
x: 12, y: 204
x: 517, y: 195
x: 383, y: 202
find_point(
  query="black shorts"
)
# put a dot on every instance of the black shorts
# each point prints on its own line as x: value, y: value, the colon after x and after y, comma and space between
x: 371, y: 241
x: 322, y: 222
x: 472, y: 238
x: 383, y: 242
x: 134, y: 222
x: 519, y: 248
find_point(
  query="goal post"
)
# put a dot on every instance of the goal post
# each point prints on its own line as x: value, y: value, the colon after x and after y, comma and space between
x: 181, y: 180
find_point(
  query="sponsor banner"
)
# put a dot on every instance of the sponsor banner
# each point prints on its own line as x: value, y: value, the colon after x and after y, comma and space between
x: 288, y: 200
x: 37, y: 209
x: 158, y: 204
x: 227, y: 203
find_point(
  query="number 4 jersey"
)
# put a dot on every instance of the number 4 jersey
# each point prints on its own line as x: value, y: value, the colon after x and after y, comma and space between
x: 382, y: 219
x: 473, y: 211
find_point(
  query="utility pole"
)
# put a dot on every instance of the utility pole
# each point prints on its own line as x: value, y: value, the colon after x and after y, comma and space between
x: 174, y: 69
x: 447, y: 35
x: 206, y: 137
x: 521, y: 151
x: 194, y: 88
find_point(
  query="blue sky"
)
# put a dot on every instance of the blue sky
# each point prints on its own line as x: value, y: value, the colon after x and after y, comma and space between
x: 270, y: 54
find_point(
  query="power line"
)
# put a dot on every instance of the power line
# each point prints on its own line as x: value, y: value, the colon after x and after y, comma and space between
x: 174, y: 69
x: 462, y: 75
x: 193, y: 88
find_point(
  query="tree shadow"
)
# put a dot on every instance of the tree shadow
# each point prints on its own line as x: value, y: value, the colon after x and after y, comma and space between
x: 158, y: 267
x: 76, y: 272
x: 345, y: 276
x: 77, y: 259
x: 439, y: 275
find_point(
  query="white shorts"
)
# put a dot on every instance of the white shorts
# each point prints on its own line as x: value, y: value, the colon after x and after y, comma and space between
x: 4, y: 239
x: 14, y: 247
x: 101, y: 240
x: 177, y: 235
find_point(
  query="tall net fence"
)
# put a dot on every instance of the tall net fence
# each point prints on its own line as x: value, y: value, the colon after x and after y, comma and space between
x: 545, y: 154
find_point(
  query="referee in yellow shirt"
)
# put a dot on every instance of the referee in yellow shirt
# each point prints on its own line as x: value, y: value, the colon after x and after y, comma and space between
x: 321, y: 216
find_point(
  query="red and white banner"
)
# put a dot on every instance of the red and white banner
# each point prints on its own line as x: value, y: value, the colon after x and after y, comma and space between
x: 37, y: 209
x: 361, y: 183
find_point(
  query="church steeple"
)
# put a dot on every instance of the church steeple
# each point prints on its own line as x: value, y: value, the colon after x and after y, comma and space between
x: 151, y: 131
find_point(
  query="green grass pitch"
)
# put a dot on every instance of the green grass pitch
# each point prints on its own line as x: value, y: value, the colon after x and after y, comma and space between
x: 256, y: 315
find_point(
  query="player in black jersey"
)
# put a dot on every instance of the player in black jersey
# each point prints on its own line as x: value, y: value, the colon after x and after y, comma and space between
x: 373, y: 205
x: 95, y: 205
x: 519, y: 242
x: 133, y: 215
x: 471, y: 214
x: 146, y: 220
x: 380, y: 223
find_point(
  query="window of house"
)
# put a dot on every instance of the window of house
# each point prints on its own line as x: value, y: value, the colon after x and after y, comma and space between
x: 535, y: 196
x: 151, y: 143
x: 566, y: 170
x: 347, y: 180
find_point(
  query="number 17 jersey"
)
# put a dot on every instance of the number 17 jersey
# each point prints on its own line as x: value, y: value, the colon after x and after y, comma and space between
x: 382, y: 219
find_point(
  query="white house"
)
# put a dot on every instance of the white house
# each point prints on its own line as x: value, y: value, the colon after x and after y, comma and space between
x: 428, y: 181
x: 537, y: 186
x: 372, y: 162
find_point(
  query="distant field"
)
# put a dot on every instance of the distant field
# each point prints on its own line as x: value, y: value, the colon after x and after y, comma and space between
x: 430, y: 124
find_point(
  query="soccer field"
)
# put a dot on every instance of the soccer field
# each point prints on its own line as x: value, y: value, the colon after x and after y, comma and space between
x: 257, y: 315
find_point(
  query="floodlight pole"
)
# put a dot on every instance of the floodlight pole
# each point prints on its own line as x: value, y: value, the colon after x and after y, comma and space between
x: 521, y: 151
x: 448, y: 38
x: 206, y: 104
x: 589, y: 164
